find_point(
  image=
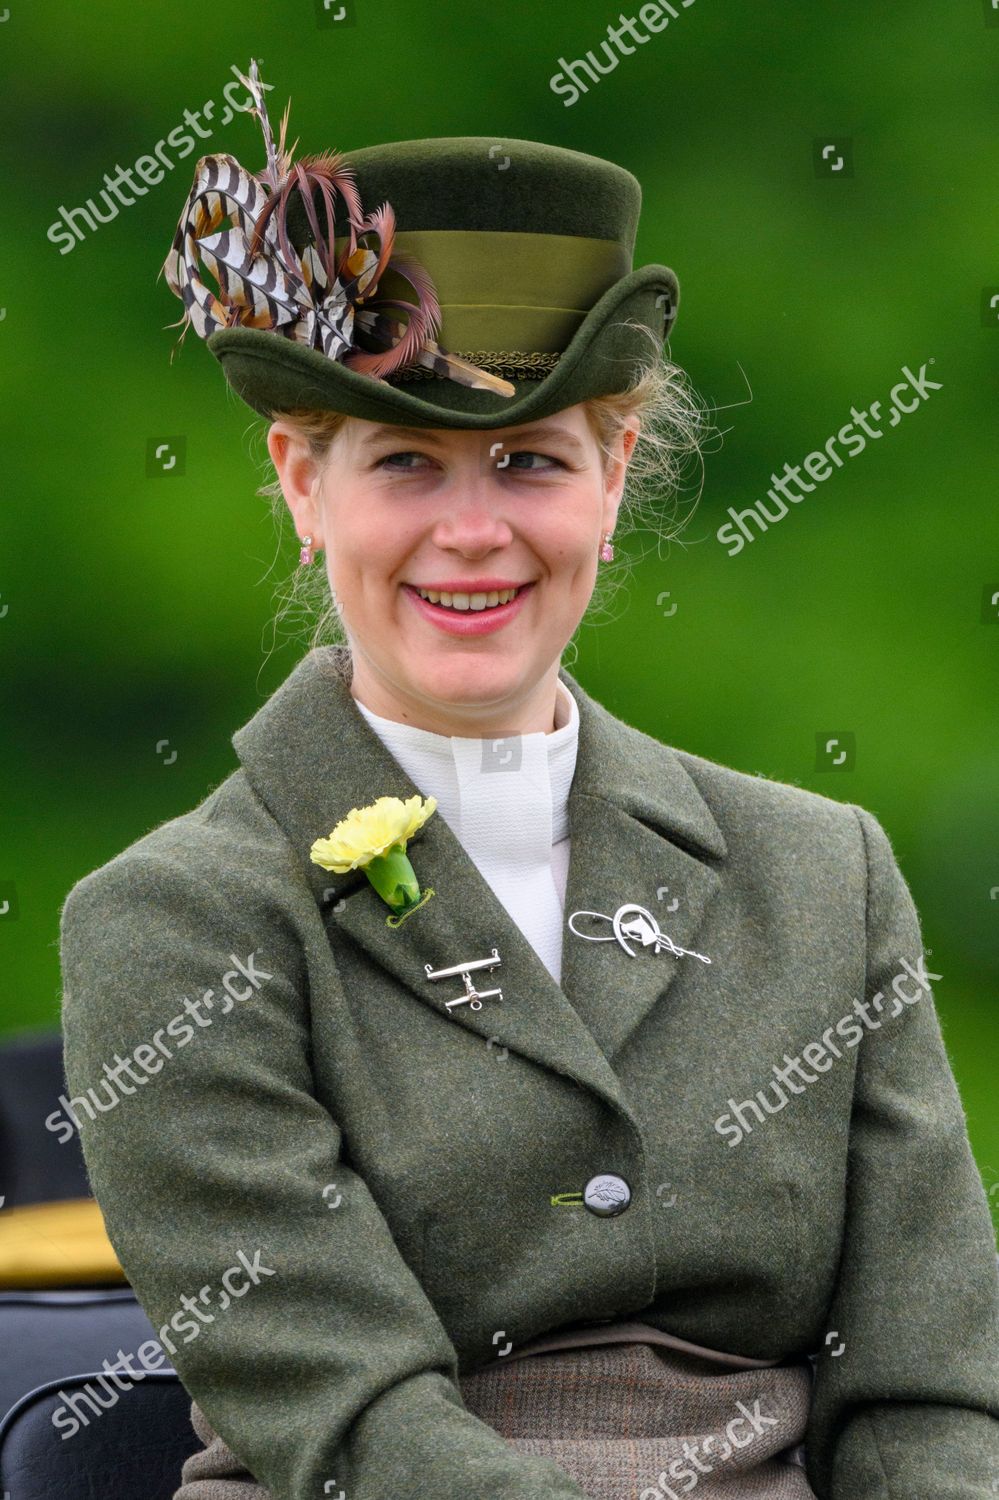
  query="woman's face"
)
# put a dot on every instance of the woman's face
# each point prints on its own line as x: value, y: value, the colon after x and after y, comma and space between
x: 466, y: 513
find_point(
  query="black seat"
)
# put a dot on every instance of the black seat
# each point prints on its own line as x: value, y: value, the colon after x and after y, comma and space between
x: 134, y: 1451
x: 52, y: 1335
x: 37, y: 1166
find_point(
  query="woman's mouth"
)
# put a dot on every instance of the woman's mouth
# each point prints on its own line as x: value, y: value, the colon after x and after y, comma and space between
x: 468, y: 601
x: 468, y: 614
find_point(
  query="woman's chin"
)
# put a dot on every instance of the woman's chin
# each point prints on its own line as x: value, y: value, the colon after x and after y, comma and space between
x: 467, y: 681
x: 445, y: 675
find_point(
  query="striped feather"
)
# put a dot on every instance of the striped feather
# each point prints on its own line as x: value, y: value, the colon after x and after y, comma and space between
x: 322, y: 296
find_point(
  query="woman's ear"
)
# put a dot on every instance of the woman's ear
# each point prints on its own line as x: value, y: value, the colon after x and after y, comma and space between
x: 298, y: 472
x: 617, y: 468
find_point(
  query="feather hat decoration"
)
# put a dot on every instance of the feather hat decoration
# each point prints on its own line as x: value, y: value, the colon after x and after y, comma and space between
x: 354, y: 300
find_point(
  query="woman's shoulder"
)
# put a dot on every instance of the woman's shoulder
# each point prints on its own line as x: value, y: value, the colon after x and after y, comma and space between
x: 228, y: 844
x: 725, y: 782
x: 754, y: 804
x: 793, y: 837
x: 736, y: 799
x: 742, y: 814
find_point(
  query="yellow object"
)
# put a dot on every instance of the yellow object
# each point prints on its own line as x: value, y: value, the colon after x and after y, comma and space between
x: 367, y: 832
x: 56, y: 1244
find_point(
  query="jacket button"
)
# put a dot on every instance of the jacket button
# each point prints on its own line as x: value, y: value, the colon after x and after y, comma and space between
x: 606, y: 1194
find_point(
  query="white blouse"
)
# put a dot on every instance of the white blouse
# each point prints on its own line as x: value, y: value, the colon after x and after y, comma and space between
x: 507, y: 802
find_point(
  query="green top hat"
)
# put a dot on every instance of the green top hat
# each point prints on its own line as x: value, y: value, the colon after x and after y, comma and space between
x: 477, y: 287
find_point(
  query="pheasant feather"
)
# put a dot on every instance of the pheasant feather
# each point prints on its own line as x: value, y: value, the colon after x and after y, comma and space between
x: 234, y: 228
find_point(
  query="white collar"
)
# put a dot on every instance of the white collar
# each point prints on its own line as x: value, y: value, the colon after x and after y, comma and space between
x: 491, y: 806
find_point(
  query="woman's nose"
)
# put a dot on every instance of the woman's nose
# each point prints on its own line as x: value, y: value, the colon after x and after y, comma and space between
x: 473, y: 510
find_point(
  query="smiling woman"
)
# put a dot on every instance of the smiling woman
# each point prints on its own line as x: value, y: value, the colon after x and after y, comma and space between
x: 665, y: 416
x: 460, y: 514
x: 475, y: 1141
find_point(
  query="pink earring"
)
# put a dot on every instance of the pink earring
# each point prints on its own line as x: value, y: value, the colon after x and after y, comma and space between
x: 306, y: 554
x: 606, y: 550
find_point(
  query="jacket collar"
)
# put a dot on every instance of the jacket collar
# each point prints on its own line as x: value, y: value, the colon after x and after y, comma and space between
x: 639, y: 829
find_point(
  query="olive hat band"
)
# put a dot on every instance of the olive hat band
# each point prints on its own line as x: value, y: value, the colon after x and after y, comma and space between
x: 548, y: 282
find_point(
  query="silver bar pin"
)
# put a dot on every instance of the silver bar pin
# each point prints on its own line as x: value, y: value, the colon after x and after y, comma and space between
x: 472, y: 997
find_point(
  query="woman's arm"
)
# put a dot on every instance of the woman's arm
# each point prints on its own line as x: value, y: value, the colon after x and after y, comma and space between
x: 908, y: 1408
x: 318, y: 1358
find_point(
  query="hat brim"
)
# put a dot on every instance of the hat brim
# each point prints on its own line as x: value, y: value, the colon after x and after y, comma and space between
x: 274, y: 374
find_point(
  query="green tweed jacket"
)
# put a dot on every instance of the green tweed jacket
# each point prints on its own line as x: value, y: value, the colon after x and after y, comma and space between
x: 333, y: 1193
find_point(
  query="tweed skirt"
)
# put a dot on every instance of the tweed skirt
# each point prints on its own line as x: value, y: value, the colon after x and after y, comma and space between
x: 627, y: 1421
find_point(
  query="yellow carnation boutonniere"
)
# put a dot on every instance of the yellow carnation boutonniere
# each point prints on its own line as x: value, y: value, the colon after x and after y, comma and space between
x: 373, y: 839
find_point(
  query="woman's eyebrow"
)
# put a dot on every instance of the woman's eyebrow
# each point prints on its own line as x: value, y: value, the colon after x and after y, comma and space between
x: 546, y: 434
x: 390, y: 430
x: 428, y: 435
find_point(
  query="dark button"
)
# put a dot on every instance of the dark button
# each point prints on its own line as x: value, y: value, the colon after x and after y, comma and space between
x: 606, y: 1194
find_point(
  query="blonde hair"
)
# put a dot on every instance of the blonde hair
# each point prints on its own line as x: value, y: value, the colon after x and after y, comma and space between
x: 674, y: 426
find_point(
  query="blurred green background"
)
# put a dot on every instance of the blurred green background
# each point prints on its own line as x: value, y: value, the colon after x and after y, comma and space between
x: 136, y: 611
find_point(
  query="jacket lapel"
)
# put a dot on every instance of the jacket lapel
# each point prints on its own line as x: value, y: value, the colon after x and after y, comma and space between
x: 638, y: 824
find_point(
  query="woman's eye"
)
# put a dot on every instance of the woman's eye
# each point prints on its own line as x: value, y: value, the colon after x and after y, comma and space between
x: 513, y: 464
x: 510, y: 461
x: 390, y: 459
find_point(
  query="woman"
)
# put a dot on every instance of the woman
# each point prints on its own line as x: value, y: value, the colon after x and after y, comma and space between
x: 576, y: 1121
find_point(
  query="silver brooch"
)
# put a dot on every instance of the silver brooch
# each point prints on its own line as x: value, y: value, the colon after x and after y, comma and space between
x: 631, y: 921
x: 472, y: 997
